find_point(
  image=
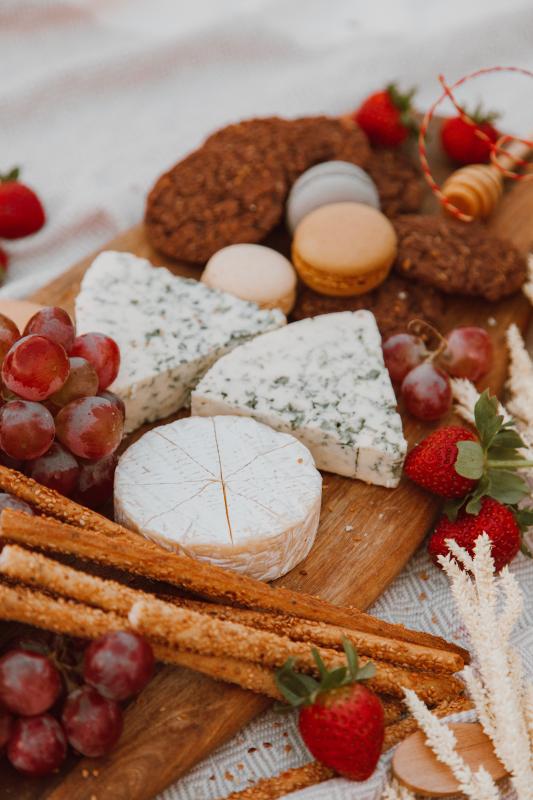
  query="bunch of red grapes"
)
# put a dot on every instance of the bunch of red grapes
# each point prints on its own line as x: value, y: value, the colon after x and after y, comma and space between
x: 422, y: 375
x: 58, y: 424
x: 40, y: 716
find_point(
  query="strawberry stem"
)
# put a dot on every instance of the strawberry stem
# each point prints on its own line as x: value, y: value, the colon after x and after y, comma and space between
x: 516, y: 463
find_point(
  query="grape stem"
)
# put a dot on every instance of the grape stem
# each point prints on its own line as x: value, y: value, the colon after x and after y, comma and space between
x: 418, y: 326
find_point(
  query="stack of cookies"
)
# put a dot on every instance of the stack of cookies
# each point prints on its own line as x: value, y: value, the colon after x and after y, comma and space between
x: 351, y: 211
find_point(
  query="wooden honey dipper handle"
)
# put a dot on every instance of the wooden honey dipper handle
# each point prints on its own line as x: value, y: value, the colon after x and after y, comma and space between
x: 476, y: 189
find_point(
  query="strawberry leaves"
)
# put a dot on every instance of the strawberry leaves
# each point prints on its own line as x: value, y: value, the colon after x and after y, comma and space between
x: 493, y: 461
x: 301, y: 690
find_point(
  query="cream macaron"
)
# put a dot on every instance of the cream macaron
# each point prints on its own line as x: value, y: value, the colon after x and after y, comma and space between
x: 344, y: 249
x: 329, y: 182
x: 255, y: 273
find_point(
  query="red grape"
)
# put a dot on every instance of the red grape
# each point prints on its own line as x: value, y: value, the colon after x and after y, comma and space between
x: 118, y: 401
x: 57, y: 469
x: 93, y: 723
x: 37, y: 745
x: 118, y: 664
x: 90, y: 427
x: 54, y: 323
x: 427, y: 392
x: 95, y: 482
x: 402, y: 352
x: 9, y: 333
x: 26, y: 429
x: 29, y: 682
x: 8, y: 501
x: 468, y: 353
x: 102, y: 352
x: 35, y: 367
x: 81, y: 382
x: 6, y: 725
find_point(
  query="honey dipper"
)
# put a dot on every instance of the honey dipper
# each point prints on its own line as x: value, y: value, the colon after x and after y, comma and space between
x: 476, y: 189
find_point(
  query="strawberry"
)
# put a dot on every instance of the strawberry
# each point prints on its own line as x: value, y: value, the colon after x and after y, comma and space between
x: 493, y: 518
x: 21, y: 212
x: 4, y: 260
x: 431, y: 464
x: 386, y: 116
x: 461, y: 141
x: 341, y: 721
x: 486, y: 464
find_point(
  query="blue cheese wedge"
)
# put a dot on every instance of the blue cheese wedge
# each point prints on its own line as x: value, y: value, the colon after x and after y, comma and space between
x: 225, y: 489
x: 170, y: 330
x: 324, y: 381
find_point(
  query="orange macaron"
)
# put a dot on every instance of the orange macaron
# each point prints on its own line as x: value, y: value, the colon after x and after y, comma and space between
x: 344, y: 249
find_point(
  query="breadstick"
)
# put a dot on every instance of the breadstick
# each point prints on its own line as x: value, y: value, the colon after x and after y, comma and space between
x: 314, y: 772
x: 190, y: 630
x: 398, y: 731
x: 425, y: 659
x: 37, y: 570
x: 289, y: 781
x: 41, y: 572
x: 130, y: 552
x: 19, y: 604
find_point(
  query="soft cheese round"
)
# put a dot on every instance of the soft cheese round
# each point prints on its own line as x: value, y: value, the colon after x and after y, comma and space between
x: 226, y: 489
x: 329, y: 182
x: 255, y: 273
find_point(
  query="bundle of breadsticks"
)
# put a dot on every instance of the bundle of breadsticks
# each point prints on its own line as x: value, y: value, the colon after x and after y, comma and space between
x: 228, y: 626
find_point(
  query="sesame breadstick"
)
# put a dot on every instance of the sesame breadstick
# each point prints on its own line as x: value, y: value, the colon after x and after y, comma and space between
x: 420, y: 657
x: 314, y: 772
x: 398, y: 731
x: 19, y: 604
x: 37, y: 570
x: 190, y: 630
x: 130, y: 552
x: 34, y: 569
x: 290, y: 781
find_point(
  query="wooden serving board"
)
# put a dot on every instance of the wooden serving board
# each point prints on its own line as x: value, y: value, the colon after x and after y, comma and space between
x: 181, y: 716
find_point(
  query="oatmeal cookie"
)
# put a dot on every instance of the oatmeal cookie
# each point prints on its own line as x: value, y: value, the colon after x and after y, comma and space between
x: 398, y: 180
x: 457, y: 258
x: 233, y: 188
x: 394, y: 304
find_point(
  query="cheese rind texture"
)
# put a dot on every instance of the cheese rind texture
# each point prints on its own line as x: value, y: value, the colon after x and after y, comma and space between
x: 323, y: 380
x: 223, y: 489
x: 170, y: 330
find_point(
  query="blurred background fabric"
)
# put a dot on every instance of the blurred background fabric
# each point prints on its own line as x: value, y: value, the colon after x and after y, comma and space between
x: 97, y: 98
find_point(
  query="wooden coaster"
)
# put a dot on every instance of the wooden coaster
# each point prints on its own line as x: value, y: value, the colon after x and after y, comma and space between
x: 20, y: 311
x: 415, y: 765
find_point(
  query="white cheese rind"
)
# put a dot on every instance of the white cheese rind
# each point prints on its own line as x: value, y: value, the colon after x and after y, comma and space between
x: 323, y: 380
x: 226, y: 489
x: 170, y: 330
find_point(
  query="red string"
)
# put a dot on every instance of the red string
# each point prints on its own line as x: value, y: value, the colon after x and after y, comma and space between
x: 496, y: 148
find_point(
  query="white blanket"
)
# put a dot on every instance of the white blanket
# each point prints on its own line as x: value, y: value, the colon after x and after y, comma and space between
x: 98, y: 97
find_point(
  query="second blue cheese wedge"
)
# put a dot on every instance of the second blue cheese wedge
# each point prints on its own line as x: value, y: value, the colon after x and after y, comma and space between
x: 170, y: 330
x: 324, y: 381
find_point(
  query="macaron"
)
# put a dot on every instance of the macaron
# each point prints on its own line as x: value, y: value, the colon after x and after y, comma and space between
x: 255, y: 273
x: 329, y: 182
x: 344, y: 249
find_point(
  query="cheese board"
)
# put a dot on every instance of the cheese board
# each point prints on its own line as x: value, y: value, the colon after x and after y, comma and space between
x: 367, y: 533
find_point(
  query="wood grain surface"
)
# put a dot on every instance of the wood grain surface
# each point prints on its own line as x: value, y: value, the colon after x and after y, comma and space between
x: 182, y: 716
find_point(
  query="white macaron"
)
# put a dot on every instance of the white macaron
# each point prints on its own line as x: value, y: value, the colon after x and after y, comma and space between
x: 255, y: 273
x: 329, y: 182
